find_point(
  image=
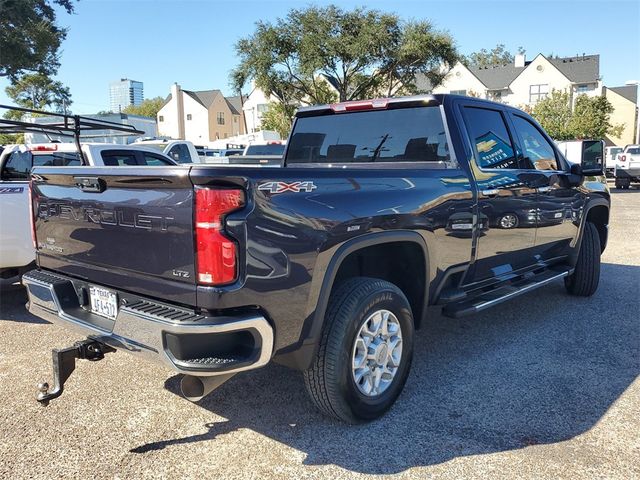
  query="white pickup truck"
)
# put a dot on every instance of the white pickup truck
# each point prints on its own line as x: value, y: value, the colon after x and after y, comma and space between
x: 180, y: 151
x: 610, y: 154
x: 16, y: 248
x: 627, y: 168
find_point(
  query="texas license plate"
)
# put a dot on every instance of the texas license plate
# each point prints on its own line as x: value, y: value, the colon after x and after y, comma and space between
x: 103, y: 302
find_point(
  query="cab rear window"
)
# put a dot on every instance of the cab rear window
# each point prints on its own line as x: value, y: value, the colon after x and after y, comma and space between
x: 376, y: 136
x: 271, y: 149
x: 19, y: 163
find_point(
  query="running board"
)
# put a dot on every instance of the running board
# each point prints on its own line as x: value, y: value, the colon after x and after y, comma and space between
x: 498, y: 295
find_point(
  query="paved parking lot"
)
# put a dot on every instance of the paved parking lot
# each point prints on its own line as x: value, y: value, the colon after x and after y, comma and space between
x: 543, y: 387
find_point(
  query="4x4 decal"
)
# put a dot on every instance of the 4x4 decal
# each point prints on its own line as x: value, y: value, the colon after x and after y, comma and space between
x: 281, y: 187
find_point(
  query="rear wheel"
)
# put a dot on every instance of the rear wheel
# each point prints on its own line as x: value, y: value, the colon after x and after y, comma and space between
x: 584, y: 280
x: 365, y: 351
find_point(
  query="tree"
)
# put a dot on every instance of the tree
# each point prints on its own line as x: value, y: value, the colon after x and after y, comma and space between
x: 590, y: 117
x: 29, y: 37
x: 148, y: 107
x: 496, y: 57
x: 554, y: 114
x: 278, y: 118
x: 9, y: 138
x: 39, y: 92
x: 322, y: 54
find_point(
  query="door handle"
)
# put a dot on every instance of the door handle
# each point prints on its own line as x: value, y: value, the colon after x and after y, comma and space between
x: 490, y: 192
x: 90, y: 184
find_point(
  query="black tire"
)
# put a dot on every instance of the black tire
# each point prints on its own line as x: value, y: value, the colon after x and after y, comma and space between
x: 329, y: 380
x: 618, y: 185
x: 584, y: 280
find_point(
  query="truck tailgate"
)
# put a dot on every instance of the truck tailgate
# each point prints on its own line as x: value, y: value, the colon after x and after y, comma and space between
x: 128, y: 227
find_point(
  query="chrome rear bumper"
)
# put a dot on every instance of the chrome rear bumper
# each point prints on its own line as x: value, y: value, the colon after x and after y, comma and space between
x: 184, y: 340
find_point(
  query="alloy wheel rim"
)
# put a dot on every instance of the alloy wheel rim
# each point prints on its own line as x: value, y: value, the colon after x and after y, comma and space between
x: 377, y: 353
x: 508, y: 221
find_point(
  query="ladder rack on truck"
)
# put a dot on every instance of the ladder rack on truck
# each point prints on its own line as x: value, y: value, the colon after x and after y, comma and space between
x: 64, y: 125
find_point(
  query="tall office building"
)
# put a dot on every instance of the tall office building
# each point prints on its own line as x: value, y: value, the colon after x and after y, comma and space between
x: 123, y: 93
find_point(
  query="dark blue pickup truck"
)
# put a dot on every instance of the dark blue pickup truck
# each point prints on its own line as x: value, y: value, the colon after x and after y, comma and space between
x: 382, y: 209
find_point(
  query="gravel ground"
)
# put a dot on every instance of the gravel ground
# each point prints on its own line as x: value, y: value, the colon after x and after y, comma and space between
x: 543, y: 387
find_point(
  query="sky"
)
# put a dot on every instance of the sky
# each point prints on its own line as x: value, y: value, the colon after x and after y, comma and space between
x: 190, y: 42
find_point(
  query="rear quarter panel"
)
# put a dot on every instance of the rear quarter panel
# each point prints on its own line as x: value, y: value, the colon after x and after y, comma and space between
x: 290, y: 237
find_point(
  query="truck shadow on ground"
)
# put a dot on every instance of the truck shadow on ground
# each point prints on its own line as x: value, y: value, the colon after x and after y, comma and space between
x: 538, y: 370
x: 541, y: 369
x: 12, y: 305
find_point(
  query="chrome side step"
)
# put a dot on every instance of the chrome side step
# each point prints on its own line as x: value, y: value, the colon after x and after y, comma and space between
x: 498, y: 295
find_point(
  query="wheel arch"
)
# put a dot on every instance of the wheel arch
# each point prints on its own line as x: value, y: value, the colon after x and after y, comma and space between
x: 302, y: 356
x: 596, y: 211
x: 598, y: 214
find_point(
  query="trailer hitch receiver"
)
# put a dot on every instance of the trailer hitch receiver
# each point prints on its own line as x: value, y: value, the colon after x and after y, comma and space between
x: 64, y: 363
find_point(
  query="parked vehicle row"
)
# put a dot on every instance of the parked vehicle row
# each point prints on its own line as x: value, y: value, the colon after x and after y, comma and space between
x: 327, y: 263
x: 16, y: 162
x: 180, y: 151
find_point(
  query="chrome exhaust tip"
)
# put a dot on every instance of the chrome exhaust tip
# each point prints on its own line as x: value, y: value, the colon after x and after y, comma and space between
x: 195, y: 388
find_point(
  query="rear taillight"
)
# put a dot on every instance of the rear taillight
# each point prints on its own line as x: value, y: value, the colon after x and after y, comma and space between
x: 216, y: 254
x: 32, y: 217
x: 623, y: 158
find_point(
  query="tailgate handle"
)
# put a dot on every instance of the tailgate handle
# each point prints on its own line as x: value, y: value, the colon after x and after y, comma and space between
x: 90, y: 184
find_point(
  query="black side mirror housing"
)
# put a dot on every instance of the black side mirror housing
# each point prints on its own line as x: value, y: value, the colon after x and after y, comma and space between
x: 592, y: 162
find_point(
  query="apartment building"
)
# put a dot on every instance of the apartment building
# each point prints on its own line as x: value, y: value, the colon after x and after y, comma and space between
x: 523, y: 82
x: 625, y: 112
x: 200, y: 116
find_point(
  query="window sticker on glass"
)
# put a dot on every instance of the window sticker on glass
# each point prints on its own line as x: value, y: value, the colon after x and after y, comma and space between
x: 493, y: 151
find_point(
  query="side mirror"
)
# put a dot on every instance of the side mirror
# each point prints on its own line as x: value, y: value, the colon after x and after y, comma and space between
x: 592, y: 162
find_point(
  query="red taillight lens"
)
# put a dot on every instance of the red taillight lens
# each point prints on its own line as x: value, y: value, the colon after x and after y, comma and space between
x: 623, y: 158
x: 43, y: 148
x: 32, y: 217
x: 215, y: 253
x: 359, y: 105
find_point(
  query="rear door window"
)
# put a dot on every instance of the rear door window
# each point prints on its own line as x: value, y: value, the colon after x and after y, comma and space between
x: 490, y: 138
x: 376, y: 136
x: 119, y: 159
x: 57, y: 159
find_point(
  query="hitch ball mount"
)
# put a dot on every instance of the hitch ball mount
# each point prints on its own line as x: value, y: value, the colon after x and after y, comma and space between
x: 64, y: 363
